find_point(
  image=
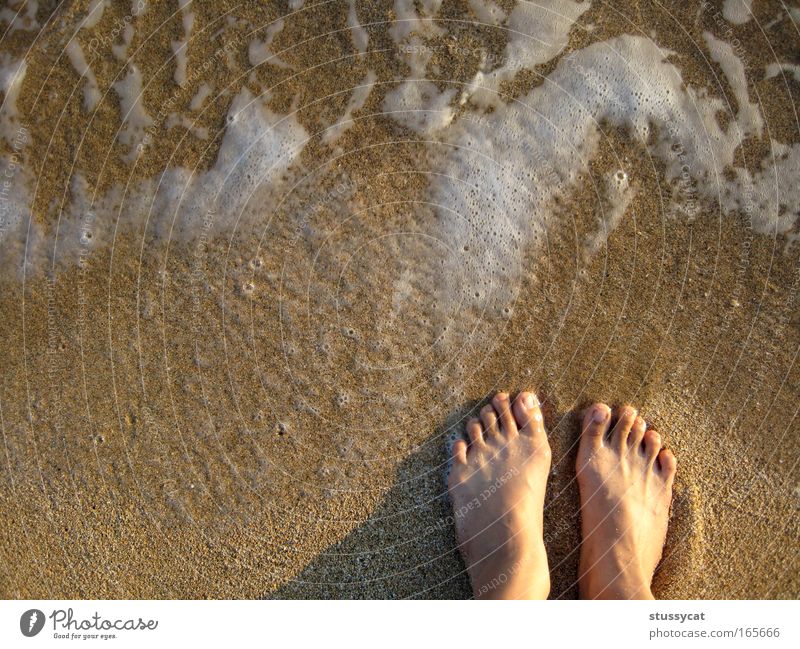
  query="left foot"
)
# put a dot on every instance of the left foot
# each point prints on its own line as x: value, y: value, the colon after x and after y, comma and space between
x: 497, y: 485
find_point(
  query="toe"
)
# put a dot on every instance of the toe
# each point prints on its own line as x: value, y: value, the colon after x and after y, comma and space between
x: 595, y: 425
x: 652, y: 445
x: 619, y: 436
x: 667, y: 464
x: 475, y: 432
x: 637, y: 433
x: 529, y: 415
x: 489, y: 419
x: 460, y: 452
x: 502, y: 405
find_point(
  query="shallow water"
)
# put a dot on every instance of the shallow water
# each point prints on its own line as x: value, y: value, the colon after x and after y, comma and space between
x: 260, y: 262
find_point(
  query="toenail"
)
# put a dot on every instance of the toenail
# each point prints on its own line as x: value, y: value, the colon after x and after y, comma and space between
x: 530, y: 401
x: 599, y: 415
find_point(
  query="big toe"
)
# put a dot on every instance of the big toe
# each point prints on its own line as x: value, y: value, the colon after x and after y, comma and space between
x: 529, y: 416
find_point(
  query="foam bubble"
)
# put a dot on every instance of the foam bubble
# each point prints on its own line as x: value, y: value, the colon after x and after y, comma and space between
x: 12, y: 74
x: 360, y: 35
x: 180, y: 47
x: 487, y: 11
x: 356, y: 102
x: 259, y: 51
x: 417, y: 102
x: 135, y: 118
x: 774, y: 69
x: 120, y: 51
x: 618, y: 195
x: 420, y: 105
x: 19, y: 19
x: 407, y: 21
x: 91, y: 93
x: 95, y: 13
x: 737, y: 12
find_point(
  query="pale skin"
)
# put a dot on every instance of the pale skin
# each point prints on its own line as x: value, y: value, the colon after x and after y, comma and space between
x: 497, y: 486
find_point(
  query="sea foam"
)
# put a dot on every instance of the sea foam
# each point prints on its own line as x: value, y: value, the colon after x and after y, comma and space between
x: 497, y: 178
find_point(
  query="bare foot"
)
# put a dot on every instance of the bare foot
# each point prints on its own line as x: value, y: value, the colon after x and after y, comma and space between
x: 625, y: 480
x: 497, y: 485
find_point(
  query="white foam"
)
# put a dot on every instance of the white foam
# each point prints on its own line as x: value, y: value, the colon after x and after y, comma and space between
x: 95, y: 13
x: 496, y: 185
x: 176, y: 119
x: 180, y: 47
x: 15, y: 223
x: 748, y: 116
x: 259, y: 52
x: 200, y: 96
x: 769, y: 197
x: 120, y: 51
x: 14, y: 194
x: 487, y: 11
x: 420, y: 105
x: 19, y: 19
x: 12, y: 74
x: 14, y: 182
x: 537, y: 32
x: 618, y: 196
x: 359, y: 34
x: 356, y: 102
x: 417, y: 102
x: 14, y: 212
x: 737, y: 12
x: 407, y: 21
x: 91, y: 92
x: 135, y: 118
x: 257, y: 149
x: 774, y: 69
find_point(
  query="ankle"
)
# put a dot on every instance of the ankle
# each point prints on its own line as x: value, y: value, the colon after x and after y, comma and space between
x: 512, y: 574
x: 523, y: 583
x: 619, y: 582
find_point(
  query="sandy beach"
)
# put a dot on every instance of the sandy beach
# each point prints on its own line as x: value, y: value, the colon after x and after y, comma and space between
x: 260, y: 261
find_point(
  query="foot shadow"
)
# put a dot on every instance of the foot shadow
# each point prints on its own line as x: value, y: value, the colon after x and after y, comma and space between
x: 406, y: 548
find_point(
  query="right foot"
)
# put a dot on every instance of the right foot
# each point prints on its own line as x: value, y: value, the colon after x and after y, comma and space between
x: 625, y: 480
